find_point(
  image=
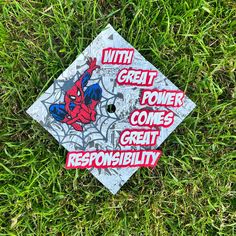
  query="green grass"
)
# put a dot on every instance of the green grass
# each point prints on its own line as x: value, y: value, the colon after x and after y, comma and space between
x: 191, y: 191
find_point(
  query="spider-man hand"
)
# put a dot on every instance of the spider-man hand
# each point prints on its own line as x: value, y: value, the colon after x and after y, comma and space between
x: 92, y: 65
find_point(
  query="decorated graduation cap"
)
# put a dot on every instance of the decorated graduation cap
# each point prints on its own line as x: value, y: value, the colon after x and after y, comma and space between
x: 111, y: 109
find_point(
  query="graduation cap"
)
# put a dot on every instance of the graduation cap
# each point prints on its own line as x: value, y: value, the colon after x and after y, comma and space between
x: 111, y: 100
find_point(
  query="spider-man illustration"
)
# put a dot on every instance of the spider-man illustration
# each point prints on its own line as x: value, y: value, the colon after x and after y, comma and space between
x: 79, y: 105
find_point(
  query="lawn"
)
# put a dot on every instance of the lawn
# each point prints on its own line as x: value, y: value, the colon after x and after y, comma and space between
x: 191, y: 191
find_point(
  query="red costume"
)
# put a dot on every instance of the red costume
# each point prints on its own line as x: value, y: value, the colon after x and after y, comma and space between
x: 79, y: 105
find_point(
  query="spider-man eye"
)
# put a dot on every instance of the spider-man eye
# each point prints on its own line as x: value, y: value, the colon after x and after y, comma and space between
x: 72, y: 97
x: 78, y: 93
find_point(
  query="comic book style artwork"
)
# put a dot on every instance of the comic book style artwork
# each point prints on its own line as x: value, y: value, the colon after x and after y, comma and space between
x: 111, y: 109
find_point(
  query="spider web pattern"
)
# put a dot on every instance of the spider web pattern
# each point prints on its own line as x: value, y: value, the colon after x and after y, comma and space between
x: 95, y: 133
